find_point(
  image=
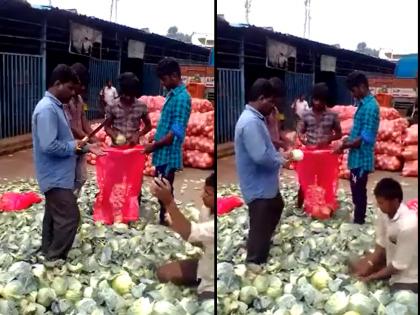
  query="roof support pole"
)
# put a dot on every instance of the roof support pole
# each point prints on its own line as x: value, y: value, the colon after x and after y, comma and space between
x: 242, y: 68
x: 43, y: 52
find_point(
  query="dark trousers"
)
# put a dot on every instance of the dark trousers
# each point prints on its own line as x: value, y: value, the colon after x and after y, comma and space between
x: 264, y: 215
x: 358, y: 183
x: 170, y: 176
x: 413, y: 287
x: 61, y: 220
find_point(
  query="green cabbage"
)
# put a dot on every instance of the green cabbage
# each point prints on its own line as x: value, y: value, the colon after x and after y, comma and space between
x: 46, y: 296
x: 337, y: 303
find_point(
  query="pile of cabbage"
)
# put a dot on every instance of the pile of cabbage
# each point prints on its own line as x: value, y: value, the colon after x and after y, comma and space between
x: 110, y: 270
x: 306, y: 273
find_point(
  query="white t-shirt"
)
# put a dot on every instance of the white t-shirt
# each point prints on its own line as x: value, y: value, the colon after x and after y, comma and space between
x: 203, y: 233
x: 399, y: 238
x: 301, y: 107
x: 109, y: 94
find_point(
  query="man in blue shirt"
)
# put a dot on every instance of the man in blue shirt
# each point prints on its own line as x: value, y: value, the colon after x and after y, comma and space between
x: 258, y: 164
x: 172, y: 126
x: 361, y: 143
x: 55, y: 152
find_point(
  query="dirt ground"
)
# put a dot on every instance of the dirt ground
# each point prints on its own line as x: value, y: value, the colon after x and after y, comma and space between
x: 226, y: 174
x: 20, y: 166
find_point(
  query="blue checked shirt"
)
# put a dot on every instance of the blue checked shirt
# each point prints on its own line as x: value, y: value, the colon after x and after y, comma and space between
x: 174, y: 117
x: 365, y: 125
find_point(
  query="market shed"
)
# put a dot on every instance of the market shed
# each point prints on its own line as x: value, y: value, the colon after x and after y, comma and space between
x: 245, y: 53
x: 33, y: 40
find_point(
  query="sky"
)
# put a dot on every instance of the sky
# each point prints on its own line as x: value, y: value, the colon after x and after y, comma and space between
x: 386, y: 24
x: 157, y: 15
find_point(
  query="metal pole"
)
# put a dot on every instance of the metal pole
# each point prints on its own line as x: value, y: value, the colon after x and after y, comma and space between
x: 242, y: 68
x: 44, y: 54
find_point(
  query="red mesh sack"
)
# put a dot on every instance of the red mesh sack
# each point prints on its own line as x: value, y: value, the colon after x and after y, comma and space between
x: 412, y: 135
x: 320, y: 168
x: 410, y: 169
x: 227, y: 204
x: 315, y: 203
x: 119, y: 175
x: 413, y: 204
x: 12, y: 201
x: 410, y: 153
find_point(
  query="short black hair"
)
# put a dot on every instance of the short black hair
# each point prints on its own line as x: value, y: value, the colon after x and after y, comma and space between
x: 129, y: 84
x: 320, y: 92
x: 168, y: 66
x: 279, y: 87
x: 355, y: 79
x: 64, y: 74
x: 211, y: 181
x: 389, y: 189
x: 81, y: 72
x: 261, y: 87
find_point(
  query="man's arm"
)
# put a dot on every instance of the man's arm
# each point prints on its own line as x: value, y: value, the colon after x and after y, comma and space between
x: 47, y: 133
x: 257, y: 146
x: 301, y: 131
x: 407, y: 241
x: 147, y: 125
x: 180, y: 223
x: 109, y: 129
x: 338, y: 134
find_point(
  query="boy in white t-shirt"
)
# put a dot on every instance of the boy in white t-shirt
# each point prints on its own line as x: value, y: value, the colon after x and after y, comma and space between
x: 191, y: 271
x: 396, y: 253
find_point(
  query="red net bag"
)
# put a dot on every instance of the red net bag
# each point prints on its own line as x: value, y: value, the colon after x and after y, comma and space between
x: 12, y: 201
x: 413, y: 204
x: 119, y: 175
x: 319, y: 168
x: 227, y: 204
x: 410, y: 169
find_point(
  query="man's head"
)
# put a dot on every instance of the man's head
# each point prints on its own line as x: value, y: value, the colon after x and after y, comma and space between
x: 261, y: 96
x: 358, y: 84
x: 389, y: 195
x: 169, y: 73
x: 302, y: 97
x: 279, y: 93
x: 319, y: 97
x: 83, y: 76
x: 129, y: 87
x: 209, y: 192
x: 109, y: 83
x: 63, y: 83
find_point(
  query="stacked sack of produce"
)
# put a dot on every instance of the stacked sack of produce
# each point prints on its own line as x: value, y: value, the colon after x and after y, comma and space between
x: 198, y: 150
x: 410, y: 152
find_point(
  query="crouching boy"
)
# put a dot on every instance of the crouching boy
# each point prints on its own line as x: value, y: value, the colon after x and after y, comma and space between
x: 396, y: 253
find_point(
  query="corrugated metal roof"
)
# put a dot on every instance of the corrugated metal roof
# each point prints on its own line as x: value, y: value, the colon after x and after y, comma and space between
x: 94, y: 20
x: 407, y: 67
x: 328, y: 48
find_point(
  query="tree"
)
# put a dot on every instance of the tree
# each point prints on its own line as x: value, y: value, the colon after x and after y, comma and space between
x: 363, y: 48
x: 174, y: 34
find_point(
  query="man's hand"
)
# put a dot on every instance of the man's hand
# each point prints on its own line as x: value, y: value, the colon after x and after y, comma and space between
x: 148, y: 148
x: 361, y: 269
x: 161, y: 189
x: 82, y: 143
x: 95, y: 149
x: 168, y: 219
